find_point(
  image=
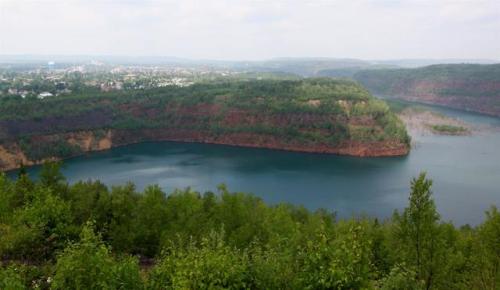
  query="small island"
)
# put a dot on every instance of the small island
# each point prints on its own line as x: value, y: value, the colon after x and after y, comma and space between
x: 422, y: 121
x: 449, y: 129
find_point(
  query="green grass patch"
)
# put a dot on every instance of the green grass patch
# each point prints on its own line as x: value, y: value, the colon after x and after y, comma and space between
x: 449, y: 129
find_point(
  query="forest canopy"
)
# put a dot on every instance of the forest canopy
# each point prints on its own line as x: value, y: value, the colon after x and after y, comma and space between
x: 326, y: 106
x: 306, y: 113
x: 86, y: 235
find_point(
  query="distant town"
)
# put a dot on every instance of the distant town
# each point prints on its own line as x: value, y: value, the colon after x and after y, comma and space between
x: 38, y: 77
x: 52, y: 79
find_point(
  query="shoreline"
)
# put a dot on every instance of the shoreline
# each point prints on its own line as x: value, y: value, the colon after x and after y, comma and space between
x: 89, y: 144
x: 424, y: 122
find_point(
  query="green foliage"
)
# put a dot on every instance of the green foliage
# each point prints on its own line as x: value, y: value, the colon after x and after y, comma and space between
x: 90, y: 201
x: 486, y: 249
x: 88, y: 264
x: 38, y: 150
x: 10, y: 278
x: 421, y: 239
x: 417, y: 230
x: 25, y: 276
x: 188, y: 240
x: 211, y: 264
x: 341, y: 263
x: 120, y: 217
x: 151, y: 215
x: 38, y: 229
x: 304, y: 112
x: 389, y: 81
x: 9, y: 198
x: 401, y: 278
x: 471, y: 87
x: 51, y: 176
x: 449, y: 129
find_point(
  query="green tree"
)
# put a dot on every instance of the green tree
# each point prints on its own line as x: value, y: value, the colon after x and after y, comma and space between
x: 417, y: 231
x: 24, y: 188
x: 11, y: 279
x: 151, y: 219
x: 210, y: 264
x: 486, y: 253
x: 8, y: 198
x: 88, y: 264
x: 121, y: 219
x: 52, y: 177
x: 344, y: 262
x: 38, y: 229
x: 90, y: 200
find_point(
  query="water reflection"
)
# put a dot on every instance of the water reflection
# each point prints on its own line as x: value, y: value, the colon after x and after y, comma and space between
x: 465, y: 169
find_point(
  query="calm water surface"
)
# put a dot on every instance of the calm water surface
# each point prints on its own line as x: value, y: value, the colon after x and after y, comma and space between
x: 465, y: 170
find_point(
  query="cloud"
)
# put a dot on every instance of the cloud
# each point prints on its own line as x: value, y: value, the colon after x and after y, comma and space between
x: 253, y: 29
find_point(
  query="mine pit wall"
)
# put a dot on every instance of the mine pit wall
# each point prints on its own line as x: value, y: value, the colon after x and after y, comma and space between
x: 12, y: 156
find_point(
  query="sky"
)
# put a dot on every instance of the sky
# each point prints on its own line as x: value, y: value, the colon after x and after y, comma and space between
x: 253, y: 29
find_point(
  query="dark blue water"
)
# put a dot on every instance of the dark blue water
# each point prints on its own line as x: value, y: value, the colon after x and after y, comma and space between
x: 465, y: 170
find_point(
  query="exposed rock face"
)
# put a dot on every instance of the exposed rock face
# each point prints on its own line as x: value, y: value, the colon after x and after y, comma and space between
x: 468, y: 87
x: 313, y: 115
x: 481, y: 105
x: 374, y: 149
x: 89, y: 141
x: 453, y: 94
x: 11, y: 155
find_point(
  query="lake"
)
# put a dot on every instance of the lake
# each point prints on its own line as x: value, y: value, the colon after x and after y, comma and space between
x: 465, y: 170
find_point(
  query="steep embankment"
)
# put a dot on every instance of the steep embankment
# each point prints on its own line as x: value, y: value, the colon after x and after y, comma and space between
x: 14, y: 153
x: 321, y: 116
x: 461, y: 86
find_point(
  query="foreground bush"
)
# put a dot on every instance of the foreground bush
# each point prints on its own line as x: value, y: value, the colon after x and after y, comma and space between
x: 88, y: 264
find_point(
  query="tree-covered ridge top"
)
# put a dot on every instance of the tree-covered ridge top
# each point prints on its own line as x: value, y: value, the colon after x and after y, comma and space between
x: 54, y: 235
x: 470, y: 72
x: 466, y: 80
x: 318, y: 111
x: 234, y: 92
x: 470, y: 87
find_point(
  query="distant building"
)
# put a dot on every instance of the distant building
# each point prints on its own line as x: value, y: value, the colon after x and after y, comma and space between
x: 96, y: 63
x: 44, y: 95
x: 111, y: 85
x: 23, y: 93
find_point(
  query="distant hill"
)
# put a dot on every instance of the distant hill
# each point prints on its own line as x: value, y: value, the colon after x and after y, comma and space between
x: 339, y: 67
x: 472, y: 87
x: 421, y: 62
x: 302, y: 66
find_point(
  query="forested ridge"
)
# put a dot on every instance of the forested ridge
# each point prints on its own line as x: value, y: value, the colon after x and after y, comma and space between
x: 86, y: 235
x: 472, y: 87
x: 319, y: 115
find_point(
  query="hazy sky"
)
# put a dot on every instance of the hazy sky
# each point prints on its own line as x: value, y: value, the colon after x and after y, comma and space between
x: 253, y: 29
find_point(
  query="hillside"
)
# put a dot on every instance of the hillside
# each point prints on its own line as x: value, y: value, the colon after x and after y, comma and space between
x: 315, y: 115
x: 308, y: 67
x: 471, y: 87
